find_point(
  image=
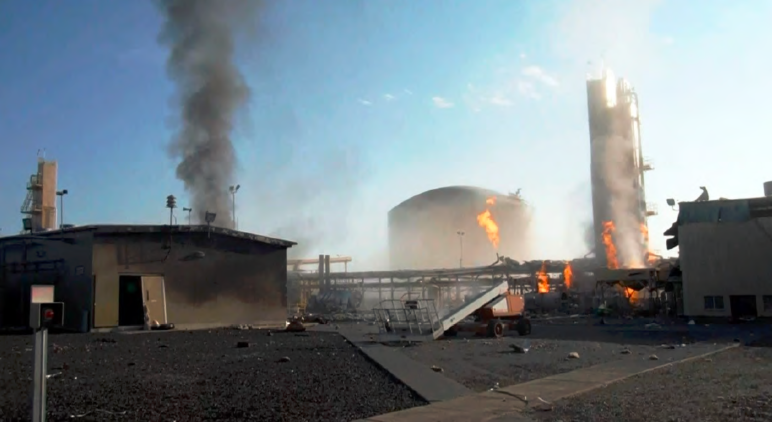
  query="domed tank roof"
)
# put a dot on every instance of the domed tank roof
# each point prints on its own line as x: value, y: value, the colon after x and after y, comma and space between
x: 449, y: 193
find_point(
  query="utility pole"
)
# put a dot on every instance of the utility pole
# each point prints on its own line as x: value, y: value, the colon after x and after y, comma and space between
x: 188, y: 210
x: 171, y: 203
x: 233, y: 190
x: 460, y: 249
x: 61, y: 194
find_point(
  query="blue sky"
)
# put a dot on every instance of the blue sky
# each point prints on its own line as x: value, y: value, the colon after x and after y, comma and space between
x: 358, y: 105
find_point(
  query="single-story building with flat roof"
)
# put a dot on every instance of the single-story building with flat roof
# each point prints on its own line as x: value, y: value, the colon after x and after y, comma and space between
x: 112, y: 276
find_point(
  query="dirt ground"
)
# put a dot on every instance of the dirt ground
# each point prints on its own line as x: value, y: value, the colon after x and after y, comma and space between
x: 481, y: 364
x: 730, y: 386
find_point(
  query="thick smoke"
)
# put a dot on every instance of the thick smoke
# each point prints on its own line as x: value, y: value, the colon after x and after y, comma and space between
x: 624, y: 200
x: 200, y: 35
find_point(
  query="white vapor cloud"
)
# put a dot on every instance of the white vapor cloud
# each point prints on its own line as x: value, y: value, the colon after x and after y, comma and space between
x: 537, y: 73
x: 440, y: 102
x: 365, y: 102
x: 388, y: 97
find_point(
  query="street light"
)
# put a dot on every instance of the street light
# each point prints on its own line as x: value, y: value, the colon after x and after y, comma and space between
x: 460, y: 249
x: 61, y: 194
x: 233, y: 190
x: 188, y: 210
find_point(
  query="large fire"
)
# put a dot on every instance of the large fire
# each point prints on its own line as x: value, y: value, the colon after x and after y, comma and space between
x: 651, y: 258
x: 611, y: 251
x: 486, y: 221
x: 568, y: 275
x: 543, y: 279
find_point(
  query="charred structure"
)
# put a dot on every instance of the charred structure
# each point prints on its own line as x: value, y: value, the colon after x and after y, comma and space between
x: 135, y: 275
x: 617, y: 174
x: 457, y: 226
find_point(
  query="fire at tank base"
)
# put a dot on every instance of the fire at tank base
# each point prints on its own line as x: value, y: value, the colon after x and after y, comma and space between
x: 549, y: 288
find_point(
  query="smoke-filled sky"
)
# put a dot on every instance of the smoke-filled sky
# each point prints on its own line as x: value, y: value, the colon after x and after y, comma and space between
x: 359, y: 105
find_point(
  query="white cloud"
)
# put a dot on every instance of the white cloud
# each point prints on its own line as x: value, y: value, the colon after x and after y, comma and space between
x: 527, y: 89
x: 540, y: 75
x: 388, y: 97
x: 500, y: 100
x: 523, y: 56
x: 440, y: 102
x: 365, y: 102
x: 408, y: 92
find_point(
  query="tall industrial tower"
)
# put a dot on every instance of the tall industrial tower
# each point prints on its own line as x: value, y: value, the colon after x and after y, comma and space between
x: 617, y: 171
x: 40, y: 203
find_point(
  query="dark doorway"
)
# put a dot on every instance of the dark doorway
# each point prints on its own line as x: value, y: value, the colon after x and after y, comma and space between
x: 130, y: 301
x: 743, y: 306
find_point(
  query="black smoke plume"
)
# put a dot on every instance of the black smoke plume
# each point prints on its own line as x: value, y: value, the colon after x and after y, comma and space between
x: 200, y: 35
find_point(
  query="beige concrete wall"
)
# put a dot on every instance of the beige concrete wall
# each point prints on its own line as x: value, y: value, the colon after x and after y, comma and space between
x: 725, y: 259
x: 237, y: 281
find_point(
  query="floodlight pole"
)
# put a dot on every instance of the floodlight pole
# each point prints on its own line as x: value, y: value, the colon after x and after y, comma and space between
x: 61, y: 194
x: 233, y: 190
x: 188, y: 210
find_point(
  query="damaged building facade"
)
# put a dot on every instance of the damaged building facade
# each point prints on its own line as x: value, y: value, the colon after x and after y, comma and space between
x: 112, y: 276
x: 724, y: 249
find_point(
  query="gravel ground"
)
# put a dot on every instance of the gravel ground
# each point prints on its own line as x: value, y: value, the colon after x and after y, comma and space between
x: 730, y: 386
x: 480, y: 363
x: 200, y: 375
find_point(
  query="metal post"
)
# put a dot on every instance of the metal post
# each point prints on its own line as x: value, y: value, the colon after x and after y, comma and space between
x: 461, y: 249
x: 171, y: 216
x: 61, y: 214
x: 234, y: 209
x: 39, y: 377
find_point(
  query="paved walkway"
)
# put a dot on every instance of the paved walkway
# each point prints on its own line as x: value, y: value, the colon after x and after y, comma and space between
x: 506, y: 404
x: 431, y: 386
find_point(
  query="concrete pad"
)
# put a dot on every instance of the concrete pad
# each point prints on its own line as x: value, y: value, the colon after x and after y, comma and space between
x: 431, y: 386
x: 504, y: 404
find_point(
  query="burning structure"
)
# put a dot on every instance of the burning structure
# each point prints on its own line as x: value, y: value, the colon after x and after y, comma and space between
x: 617, y: 174
x: 457, y: 226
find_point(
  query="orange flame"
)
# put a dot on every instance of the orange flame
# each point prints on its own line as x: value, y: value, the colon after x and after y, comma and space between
x: 486, y: 221
x: 631, y: 294
x: 611, y: 250
x: 544, y: 279
x: 568, y: 275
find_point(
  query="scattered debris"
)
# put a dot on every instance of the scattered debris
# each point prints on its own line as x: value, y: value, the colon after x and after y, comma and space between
x: 653, y: 357
x: 518, y: 349
x: 284, y: 359
x: 544, y: 406
x: 652, y: 326
x: 573, y: 355
x: 436, y: 368
x: 242, y: 344
x: 668, y: 346
x: 625, y: 351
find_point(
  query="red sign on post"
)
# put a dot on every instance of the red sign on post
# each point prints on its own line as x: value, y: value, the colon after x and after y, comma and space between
x: 48, y: 314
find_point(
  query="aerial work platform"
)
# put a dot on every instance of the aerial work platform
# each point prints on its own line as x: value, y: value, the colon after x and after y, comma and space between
x: 418, y: 320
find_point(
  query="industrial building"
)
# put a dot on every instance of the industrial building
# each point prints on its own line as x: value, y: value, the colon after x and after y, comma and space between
x: 108, y: 275
x: 444, y: 228
x: 724, y: 249
x: 617, y: 171
x: 111, y: 276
